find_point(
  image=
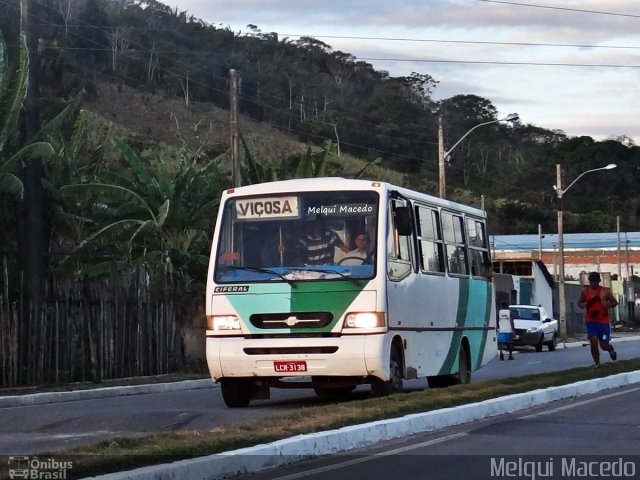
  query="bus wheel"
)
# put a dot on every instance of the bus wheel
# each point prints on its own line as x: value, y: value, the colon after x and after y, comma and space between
x: 382, y: 388
x: 236, y: 392
x: 464, y: 365
x: 462, y: 377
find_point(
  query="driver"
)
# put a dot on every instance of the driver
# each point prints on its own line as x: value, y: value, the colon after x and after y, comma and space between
x: 361, y: 251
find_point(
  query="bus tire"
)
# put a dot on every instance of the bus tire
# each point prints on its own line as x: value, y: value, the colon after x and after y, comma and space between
x: 236, y: 392
x: 462, y: 377
x: 464, y: 366
x: 382, y: 388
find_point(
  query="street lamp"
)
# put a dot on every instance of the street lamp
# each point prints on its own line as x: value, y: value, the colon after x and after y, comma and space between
x: 562, y: 306
x: 444, y: 155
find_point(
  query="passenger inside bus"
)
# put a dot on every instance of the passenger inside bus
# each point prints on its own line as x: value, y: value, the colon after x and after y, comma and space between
x: 319, y: 242
x: 279, y: 248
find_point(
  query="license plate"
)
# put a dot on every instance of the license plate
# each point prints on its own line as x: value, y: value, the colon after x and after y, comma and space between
x: 292, y: 366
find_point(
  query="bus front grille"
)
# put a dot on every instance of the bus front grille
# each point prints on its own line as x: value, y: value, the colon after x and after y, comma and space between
x: 290, y: 350
x: 291, y: 320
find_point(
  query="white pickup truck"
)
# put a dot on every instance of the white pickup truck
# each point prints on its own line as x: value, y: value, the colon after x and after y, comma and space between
x: 534, y: 327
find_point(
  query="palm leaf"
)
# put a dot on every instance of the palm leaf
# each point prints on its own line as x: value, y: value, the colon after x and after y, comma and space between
x: 144, y: 226
x: 54, y: 125
x: 163, y: 212
x: 367, y: 166
x: 11, y: 185
x: 38, y: 149
x: 254, y: 173
x: 13, y: 90
x: 305, y: 167
x: 105, y: 229
x: 134, y: 161
x: 115, y: 188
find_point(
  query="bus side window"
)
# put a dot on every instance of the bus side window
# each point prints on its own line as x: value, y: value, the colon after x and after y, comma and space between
x: 478, y: 249
x: 430, y: 240
x: 398, y: 249
x: 455, y: 244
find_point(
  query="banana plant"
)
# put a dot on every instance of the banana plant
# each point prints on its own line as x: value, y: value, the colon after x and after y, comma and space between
x: 314, y: 164
x: 14, y: 68
x: 157, y: 211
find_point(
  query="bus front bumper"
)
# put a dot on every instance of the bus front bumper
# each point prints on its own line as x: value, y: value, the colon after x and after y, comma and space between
x: 352, y: 356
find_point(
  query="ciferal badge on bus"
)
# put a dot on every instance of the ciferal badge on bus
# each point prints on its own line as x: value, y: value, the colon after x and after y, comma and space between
x: 273, y: 207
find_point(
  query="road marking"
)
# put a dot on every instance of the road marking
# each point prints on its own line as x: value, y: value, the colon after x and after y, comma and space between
x: 578, y: 404
x: 375, y: 456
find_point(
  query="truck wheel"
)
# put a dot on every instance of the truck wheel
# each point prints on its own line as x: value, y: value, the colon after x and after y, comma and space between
x: 539, y: 344
x: 236, y: 392
x: 552, y: 344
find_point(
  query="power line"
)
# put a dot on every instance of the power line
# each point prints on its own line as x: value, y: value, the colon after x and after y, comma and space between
x: 567, y: 9
x: 470, y: 42
x: 495, y: 62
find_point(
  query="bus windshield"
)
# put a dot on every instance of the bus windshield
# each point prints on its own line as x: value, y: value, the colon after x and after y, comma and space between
x: 298, y: 236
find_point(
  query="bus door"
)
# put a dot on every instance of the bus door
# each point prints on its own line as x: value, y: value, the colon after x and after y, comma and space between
x: 400, y: 260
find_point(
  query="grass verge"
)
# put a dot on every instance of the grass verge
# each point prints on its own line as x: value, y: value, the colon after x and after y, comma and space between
x: 123, y: 453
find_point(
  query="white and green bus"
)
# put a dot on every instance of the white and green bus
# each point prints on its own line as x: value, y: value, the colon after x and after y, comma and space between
x: 420, y: 303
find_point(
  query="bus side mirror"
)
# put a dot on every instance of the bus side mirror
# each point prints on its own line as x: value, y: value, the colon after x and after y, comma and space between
x: 402, y: 220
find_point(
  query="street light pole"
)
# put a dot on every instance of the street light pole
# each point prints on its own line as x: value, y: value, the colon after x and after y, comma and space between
x: 443, y: 154
x: 562, y: 305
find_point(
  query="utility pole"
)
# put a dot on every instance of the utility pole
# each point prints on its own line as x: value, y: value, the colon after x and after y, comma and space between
x: 618, y: 232
x: 233, y: 128
x: 562, y: 306
x: 539, y: 242
x: 33, y: 219
x: 442, y: 189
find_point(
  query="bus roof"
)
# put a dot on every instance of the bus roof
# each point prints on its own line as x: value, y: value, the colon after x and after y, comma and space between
x: 321, y: 184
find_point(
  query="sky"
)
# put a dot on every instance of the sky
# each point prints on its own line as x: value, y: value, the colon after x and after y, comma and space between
x: 570, y: 65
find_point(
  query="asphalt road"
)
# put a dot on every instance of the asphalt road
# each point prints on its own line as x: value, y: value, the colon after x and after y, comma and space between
x: 28, y: 429
x: 589, y: 437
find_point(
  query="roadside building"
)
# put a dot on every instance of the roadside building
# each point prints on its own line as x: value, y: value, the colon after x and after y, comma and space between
x: 615, y: 255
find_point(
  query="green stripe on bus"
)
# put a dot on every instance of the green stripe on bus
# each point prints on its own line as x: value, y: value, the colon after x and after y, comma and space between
x: 473, y: 310
x: 486, y: 322
x: 461, y: 318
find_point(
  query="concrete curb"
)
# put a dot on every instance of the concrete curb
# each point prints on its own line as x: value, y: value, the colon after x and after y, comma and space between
x: 104, y: 392
x: 261, y: 457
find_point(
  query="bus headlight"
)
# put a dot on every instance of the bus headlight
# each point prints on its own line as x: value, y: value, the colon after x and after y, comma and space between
x: 364, y: 320
x: 223, y: 322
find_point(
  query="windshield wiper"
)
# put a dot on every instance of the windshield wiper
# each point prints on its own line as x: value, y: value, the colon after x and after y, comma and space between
x: 260, y: 270
x: 347, y: 277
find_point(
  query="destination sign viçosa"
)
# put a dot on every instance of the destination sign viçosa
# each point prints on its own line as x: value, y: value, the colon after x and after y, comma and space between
x: 269, y: 207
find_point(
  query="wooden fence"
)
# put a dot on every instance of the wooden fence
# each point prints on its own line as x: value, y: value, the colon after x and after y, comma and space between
x: 90, y: 330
